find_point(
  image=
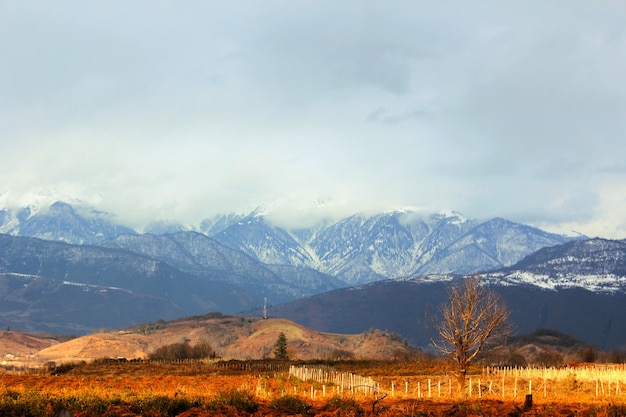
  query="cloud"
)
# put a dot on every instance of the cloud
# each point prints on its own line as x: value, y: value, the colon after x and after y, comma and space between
x: 182, y: 111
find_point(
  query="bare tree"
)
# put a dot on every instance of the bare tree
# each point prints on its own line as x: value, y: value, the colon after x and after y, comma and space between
x: 472, y: 320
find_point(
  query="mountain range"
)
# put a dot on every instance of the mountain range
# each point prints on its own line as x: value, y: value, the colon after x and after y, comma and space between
x: 74, y: 270
x: 354, y: 250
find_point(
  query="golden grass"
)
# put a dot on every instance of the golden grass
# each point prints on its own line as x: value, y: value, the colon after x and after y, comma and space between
x: 101, y: 386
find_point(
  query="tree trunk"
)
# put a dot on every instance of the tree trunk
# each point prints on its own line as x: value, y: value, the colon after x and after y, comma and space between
x: 461, y: 377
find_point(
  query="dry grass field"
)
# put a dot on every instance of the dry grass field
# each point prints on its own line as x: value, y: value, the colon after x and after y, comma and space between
x: 60, y: 377
x: 114, y: 388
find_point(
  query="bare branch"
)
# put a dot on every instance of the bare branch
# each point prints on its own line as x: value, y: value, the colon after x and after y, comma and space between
x: 472, y: 320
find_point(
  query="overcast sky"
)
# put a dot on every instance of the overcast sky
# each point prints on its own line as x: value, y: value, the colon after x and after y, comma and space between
x: 180, y: 110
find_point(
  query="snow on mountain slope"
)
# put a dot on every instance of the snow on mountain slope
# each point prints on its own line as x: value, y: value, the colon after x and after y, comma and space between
x: 202, y: 256
x: 488, y: 245
x: 597, y: 265
x: 61, y: 222
x: 361, y: 249
x: 264, y: 242
x: 357, y: 249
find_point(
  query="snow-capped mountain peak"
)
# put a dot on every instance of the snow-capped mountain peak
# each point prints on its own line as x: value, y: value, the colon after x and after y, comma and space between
x: 357, y: 249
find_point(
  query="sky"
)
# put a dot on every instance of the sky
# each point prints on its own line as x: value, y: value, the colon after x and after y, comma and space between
x: 182, y: 110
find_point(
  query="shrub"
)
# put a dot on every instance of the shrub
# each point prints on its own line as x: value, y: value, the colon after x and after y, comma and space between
x: 343, y: 406
x: 86, y: 403
x: 64, y: 368
x: 161, y: 404
x: 26, y: 404
x: 182, y: 351
x: 290, y: 405
x: 549, y: 358
x: 240, y: 401
x: 588, y: 354
x: 202, y: 350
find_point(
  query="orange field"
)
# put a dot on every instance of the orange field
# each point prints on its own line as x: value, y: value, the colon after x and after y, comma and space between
x: 245, y: 389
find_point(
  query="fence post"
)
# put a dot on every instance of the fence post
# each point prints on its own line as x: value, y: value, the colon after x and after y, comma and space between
x: 528, y: 402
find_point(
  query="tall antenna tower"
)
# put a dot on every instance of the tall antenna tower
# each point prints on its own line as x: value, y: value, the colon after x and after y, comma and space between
x: 265, y: 308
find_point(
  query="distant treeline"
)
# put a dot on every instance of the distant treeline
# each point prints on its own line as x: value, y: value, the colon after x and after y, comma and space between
x: 183, y: 351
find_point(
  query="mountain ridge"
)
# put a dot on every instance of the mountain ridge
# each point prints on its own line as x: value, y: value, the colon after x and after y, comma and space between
x: 361, y: 249
x: 143, y: 277
x: 596, y: 264
x: 577, y: 288
x: 401, y: 306
x: 200, y: 255
x: 355, y: 250
x: 63, y: 288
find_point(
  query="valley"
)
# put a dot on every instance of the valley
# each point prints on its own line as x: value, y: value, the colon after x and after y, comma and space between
x: 113, y: 373
x: 65, y: 270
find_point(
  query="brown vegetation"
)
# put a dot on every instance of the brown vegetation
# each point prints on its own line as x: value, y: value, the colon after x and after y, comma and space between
x: 192, y: 388
x: 92, y: 376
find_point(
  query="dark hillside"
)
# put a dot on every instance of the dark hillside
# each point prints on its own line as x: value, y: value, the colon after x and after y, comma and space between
x: 401, y: 306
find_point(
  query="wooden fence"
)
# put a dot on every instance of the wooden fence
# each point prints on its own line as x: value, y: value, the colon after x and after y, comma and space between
x: 602, y: 382
x: 335, y: 382
x: 607, y: 372
x: 608, y: 379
